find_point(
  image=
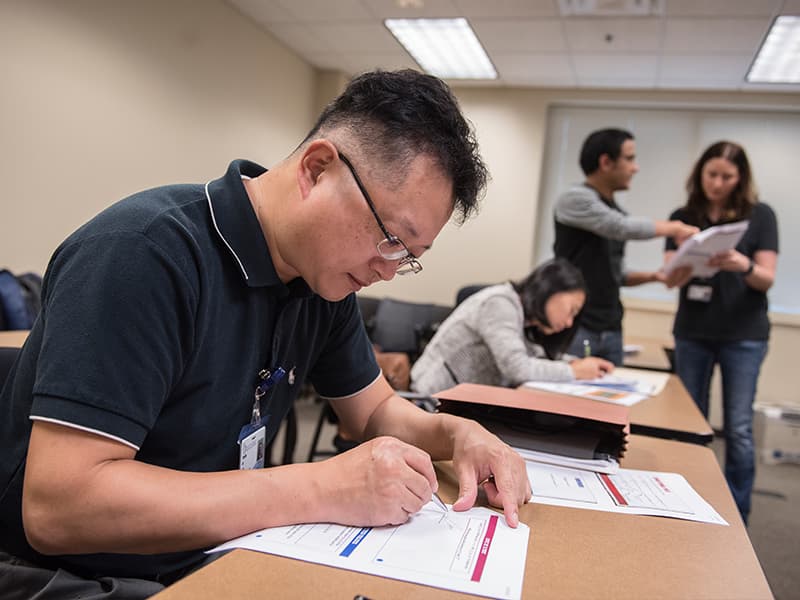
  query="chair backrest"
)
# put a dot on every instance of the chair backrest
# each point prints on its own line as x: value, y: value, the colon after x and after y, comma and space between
x: 467, y: 291
x: 400, y: 326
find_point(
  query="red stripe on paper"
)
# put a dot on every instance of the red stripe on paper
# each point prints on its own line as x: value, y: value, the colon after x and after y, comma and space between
x: 484, y: 552
x: 613, y: 489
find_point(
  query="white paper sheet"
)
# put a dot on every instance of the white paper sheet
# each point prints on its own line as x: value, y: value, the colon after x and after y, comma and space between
x: 650, y: 383
x: 629, y: 491
x: 698, y: 249
x: 604, y: 394
x: 473, y: 551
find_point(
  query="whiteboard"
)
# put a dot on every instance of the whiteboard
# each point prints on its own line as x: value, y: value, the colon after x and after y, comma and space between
x: 668, y: 142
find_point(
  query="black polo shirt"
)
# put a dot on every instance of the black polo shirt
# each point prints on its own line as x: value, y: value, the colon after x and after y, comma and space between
x: 735, y: 311
x: 157, y: 316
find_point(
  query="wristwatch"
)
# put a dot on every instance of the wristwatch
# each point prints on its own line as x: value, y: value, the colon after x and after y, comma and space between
x: 750, y: 268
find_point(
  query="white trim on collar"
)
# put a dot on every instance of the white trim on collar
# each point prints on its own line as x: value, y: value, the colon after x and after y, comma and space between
x: 222, y: 237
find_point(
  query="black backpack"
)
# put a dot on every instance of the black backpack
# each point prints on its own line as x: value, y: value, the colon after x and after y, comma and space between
x: 20, y: 299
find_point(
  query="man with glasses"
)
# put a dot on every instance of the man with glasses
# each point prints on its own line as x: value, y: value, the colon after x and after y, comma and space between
x: 178, y: 326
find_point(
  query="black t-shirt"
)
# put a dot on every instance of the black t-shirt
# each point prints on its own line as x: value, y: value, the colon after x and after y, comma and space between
x: 157, y: 316
x: 736, y: 311
x: 600, y: 262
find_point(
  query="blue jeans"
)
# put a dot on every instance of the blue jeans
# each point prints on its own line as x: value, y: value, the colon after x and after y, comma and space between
x: 605, y: 344
x: 740, y: 364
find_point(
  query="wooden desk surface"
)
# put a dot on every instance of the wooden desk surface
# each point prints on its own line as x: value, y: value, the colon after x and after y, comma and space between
x: 13, y: 339
x: 650, y: 356
x: 572, y: 553
x: 671, y: 414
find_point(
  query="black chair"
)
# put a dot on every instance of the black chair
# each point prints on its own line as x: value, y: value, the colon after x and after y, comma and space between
x: 393, y: 326
x: 467, y: 291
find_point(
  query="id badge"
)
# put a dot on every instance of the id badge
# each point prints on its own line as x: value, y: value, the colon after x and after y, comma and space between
x: 252, y: 445
x: 699, y: 293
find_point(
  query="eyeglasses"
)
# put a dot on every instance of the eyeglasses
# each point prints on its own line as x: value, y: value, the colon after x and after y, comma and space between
x: 390, y: 247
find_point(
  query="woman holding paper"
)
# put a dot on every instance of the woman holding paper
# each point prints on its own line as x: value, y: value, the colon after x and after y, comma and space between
x: 722, y: 317
x: 510, y: 333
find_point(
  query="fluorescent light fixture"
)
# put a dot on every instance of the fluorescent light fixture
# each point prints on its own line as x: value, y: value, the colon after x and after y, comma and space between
x: 447, y: 48
x: 778, y: 60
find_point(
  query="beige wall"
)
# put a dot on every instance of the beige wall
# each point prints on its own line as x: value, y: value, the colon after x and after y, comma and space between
x: 103, y: 98
x: 100, y: 99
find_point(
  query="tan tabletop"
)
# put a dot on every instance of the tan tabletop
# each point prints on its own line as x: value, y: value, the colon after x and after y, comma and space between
x: 13, y: 339
x: 572, y: 553
x: 651, y: 356
x: 671, y: 414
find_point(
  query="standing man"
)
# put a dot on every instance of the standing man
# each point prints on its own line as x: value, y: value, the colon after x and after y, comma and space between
x: 591, y: 230
x: 177, y: 327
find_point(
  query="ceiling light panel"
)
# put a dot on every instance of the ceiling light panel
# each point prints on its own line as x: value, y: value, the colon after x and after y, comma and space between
x: 778, y: 59
x: 447, y: 48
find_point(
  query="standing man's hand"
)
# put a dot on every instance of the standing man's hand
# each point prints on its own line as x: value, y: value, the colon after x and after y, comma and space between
x: 676, y: 278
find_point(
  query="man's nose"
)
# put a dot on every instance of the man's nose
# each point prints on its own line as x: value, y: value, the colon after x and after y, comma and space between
x: 386, y: 269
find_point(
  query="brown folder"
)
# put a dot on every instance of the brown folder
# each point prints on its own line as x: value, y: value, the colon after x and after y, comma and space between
x: 544, y: 421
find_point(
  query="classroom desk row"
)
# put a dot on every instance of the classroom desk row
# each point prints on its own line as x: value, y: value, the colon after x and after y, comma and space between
x: 572, y: 553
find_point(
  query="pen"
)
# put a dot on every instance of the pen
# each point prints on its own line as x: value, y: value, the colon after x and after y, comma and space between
x: 587, y: 349
x: 439, y: 502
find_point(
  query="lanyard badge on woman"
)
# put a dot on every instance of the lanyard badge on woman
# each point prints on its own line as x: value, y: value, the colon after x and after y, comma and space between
x: 252, y: 437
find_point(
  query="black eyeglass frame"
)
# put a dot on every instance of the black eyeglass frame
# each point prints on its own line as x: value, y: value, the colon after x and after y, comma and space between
x: 408, y: 263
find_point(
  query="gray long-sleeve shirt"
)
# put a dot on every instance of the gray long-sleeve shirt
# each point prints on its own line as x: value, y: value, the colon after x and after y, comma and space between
x: 483, y: 341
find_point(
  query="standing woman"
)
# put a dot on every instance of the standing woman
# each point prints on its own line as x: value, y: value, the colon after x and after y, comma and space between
x: 723, y: 319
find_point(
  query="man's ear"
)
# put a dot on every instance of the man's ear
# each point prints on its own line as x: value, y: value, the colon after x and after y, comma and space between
x: 316, y: 158
x: 605, y: 163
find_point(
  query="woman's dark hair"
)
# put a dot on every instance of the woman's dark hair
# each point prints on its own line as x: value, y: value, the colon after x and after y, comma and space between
x: 742, y: 198
x: 551, y: 277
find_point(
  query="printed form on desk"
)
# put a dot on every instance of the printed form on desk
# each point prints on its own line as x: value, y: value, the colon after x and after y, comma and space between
x: 473, y: 552
x: 628, y: 491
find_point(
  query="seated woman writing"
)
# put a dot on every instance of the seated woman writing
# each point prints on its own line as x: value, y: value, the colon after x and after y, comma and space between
x: 511, y: 333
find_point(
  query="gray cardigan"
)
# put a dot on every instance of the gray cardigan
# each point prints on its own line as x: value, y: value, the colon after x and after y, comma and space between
x: 483, y: 341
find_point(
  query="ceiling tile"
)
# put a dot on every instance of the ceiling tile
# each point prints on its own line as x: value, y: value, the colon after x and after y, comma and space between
x: 615, y: 66
x: 713, y: 36
x: 299, y: 38
x: 508, y: 8
x: 715, y: 8
x: 325, y: 11
x: 351, y: 38
x: 537, y: 69
x: 389, y: 9
x: 261, y: 11
x: 718, y: 67
x: 502, y: 36
x: 627, y: 35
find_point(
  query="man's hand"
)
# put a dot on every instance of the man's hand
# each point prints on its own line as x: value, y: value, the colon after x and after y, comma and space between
x: 480, y: 458
x: 591, y: 367
x: 680, y: 231
x: 379, y: 482
x: 676, y: 278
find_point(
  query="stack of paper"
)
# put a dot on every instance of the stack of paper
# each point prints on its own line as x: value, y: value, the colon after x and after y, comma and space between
x: 698, y: 249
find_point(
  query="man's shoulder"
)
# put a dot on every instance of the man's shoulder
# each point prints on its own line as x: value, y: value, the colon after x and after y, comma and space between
x: 578, y: 193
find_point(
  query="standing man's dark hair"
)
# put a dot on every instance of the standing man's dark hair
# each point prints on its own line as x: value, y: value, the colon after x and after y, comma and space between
x: 392, y: 127
x: 603, y: 141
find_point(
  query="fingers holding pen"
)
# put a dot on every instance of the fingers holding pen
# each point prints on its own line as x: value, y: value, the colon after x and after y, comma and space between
x: 379, y: 482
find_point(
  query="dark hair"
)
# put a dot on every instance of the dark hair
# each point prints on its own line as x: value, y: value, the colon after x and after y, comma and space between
x: 603, y: 141
x: 551, y: 277
x: 394, y: 116
x: 742, y: 198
